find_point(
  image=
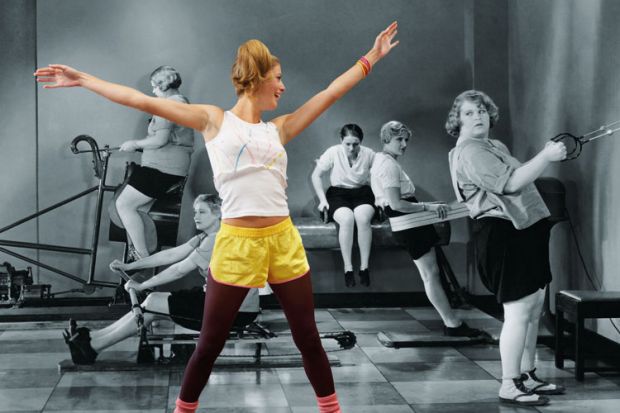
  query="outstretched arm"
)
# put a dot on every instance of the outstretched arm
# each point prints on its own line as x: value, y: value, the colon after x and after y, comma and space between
x: 294, y: 123
x: 178, y: 270
x: 172, y: 273
x: 190, y: 115
x: 162, y: 258
x: 531, y: 170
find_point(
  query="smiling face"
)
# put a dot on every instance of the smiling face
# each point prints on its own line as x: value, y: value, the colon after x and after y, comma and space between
x: 270, y: 90
x: 351, y: 146
x: 397, y: 145
x: 204, y: 218
x: 474, y: 119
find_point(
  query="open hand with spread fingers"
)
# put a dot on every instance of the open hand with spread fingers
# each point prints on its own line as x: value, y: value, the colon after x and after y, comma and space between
x: 56, y: 76
x: 384, y: 42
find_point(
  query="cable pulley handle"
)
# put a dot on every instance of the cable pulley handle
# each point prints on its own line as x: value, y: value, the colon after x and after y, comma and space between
x: 573, y: 149
x: 94, y: 148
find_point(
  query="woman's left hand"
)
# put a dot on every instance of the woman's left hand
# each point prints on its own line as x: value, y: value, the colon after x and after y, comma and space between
x: 383, y: 43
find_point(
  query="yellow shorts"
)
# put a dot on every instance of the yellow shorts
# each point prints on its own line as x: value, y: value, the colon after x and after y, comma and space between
x: 248, y: 257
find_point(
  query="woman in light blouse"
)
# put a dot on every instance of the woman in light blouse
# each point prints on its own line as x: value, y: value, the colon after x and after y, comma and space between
x: 349, y: 200
x: 511, y: 236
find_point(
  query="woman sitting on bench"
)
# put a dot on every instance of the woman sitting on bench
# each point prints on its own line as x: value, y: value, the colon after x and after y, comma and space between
x: 166, y: 153
x: 184, y: 307
x: 349, y: 200
x: 393, y: 187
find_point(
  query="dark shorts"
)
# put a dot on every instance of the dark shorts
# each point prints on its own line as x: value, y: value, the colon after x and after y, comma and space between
x: 187, y: 306
x: 417, y: 241
x: 152, y: 182
x: 512, y: 263
x: 348, y: 198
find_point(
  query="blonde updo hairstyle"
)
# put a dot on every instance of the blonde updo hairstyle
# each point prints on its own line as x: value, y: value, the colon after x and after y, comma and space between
x: 253, y: 62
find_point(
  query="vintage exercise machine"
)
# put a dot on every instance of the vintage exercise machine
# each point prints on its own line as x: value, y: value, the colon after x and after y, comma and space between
x: 162, y: 217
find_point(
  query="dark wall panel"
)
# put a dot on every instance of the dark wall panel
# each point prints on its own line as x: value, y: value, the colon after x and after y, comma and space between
x: 18, y: 143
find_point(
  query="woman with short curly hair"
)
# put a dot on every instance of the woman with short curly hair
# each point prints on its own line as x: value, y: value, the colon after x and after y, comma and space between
x: 511, y: 236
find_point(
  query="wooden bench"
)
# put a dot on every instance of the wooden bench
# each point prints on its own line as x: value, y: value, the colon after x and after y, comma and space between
x: 318, y: 235
x: 578, y: 305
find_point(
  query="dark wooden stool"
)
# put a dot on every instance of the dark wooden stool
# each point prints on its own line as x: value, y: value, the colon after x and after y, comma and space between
x: 579, y: 305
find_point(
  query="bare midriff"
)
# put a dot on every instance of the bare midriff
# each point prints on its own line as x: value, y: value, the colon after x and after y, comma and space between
x: 253, y: 222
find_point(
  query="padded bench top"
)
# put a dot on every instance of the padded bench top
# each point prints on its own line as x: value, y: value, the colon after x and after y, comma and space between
x: 590, y: 296
x: 318, y: 235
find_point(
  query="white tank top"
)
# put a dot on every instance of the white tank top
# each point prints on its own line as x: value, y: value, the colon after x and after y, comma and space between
x: 249, y: 168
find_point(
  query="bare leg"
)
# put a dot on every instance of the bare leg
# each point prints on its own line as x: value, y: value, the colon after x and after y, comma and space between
x: 344, y: 217
x: 517, y: 316
x: 127, y: 205
x: 528, y: 361
x: 429, y: 271
x: 363, y: 215
x: 126, y: 326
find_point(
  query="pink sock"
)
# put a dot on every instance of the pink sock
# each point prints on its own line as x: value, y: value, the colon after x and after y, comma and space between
x: 185, y: 407
x: 329, y: 404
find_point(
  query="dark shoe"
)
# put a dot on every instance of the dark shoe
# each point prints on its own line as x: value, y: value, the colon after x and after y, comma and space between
x: 365, y: 277
x: 349, y: 279
x: 462, y: 331
x: 523, y: 396
x: 76, y: 355
x: 78, y: 340
x: 538, y: 386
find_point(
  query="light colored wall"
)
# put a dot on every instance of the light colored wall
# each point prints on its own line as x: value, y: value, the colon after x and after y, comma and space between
x: 564, y: 77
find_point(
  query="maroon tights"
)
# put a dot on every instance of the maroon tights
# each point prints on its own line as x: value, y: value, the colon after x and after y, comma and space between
x: 222, y: 303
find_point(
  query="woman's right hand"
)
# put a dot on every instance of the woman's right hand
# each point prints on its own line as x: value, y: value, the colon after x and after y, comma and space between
x: 132, y: 284
x: 58, y: 76
x: 441, y: 208
x: 383, y: 43
x: 117, y: 265
x: 554, y: 151
x: 323, y: 205
x: 128, y: 146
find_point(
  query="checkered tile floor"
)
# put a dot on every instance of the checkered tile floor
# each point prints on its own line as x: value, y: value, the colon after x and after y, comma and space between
x: 371, y: 378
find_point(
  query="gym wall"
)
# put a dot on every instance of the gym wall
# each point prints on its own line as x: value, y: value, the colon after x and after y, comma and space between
x: 445, y: 48
x: 564, y: 77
